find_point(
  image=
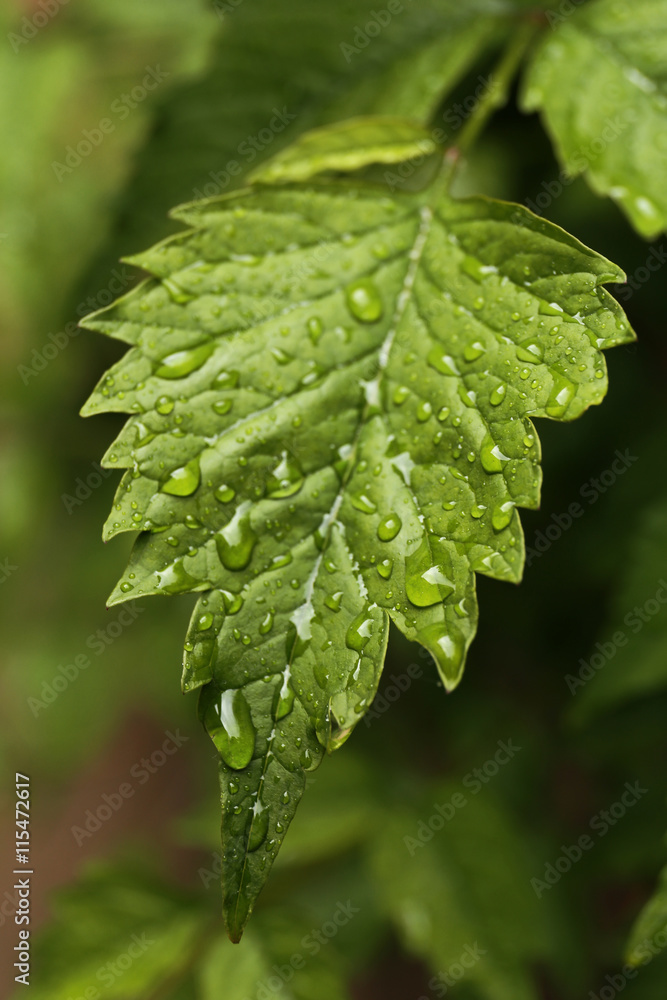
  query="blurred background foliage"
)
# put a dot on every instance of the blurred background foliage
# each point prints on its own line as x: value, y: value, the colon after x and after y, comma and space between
x: 82, y: 731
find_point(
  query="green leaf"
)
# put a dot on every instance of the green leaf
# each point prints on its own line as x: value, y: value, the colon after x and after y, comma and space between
x: 649, y: 933
x: 600, y: 81
x: 211, y: 127
x: 331, y: 394
x: 347, y: 145
x: 118, y: 931
x: 457, y: 886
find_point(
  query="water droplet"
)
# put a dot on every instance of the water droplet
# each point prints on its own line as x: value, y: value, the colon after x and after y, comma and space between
x: 282, y: 357
x: 285, y: 702
x: 363, y: 503
x: 286, y: 479
x: 530, y: 350
x: 560, y: 397
x: 492, y: 457
x: 498, y: 394
x: 236, y: 541
x: 182, y: 363
x: 224, y: 493
x: 474, y: 350
x: 226, y: 380
x: 176, y: 292
x: 478, y: 510
x: 359, y: 631
x: 232, y: 602
x: 204, y: 622
x: 315, y: 328
x: 221, y: 406
x: 226, y: 716
x: 428, y: 581
x: 266, y: 624
x: 385, y: 568
x: 363, y: 300
x: 475, y: 269
x: 126, y: 587
x: 389, y: 527
x: 550, y: 308
x: 424, y: 411
x: 442, y: 362
x: 164, y: 405
x: 259, y: 825
x: 502, y: 515
x: 448, y: 650
x: 182, y: 482
x: 334, y: 601
x: 401, y: 393
x: 176, y: 580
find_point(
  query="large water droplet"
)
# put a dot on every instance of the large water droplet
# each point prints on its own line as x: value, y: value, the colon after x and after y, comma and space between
x: 359, y: 631
x: 286, y: 479
x: 285, y: 698
x: 181, y: 363
x: 447, y: 648
x: 226, y: 716
x: 530, y: 350
x: 442, y: 362
x: 363, y: 300
x: 428, y: 578
x: 498, y: 394
x: 259, y: 826
x: 224, y: 493
x: 492, y: 457
x: 560, y: 397
x: 236, y: 540
x: 389, y: 527
x: 176, y: 580
x: 164, y: 405
x: 182, y: 482
x: 362, y: 502
x: 502, y: 515
x: 473, y: 351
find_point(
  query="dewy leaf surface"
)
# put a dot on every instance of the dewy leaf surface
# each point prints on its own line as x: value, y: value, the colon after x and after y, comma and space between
x: 600, y: 80
x: 331, y: 393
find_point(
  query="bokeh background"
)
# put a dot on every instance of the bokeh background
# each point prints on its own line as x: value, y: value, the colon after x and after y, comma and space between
x: 89, y: 696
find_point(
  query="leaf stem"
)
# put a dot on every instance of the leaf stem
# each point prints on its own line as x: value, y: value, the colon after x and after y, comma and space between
x: 494, y: 97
